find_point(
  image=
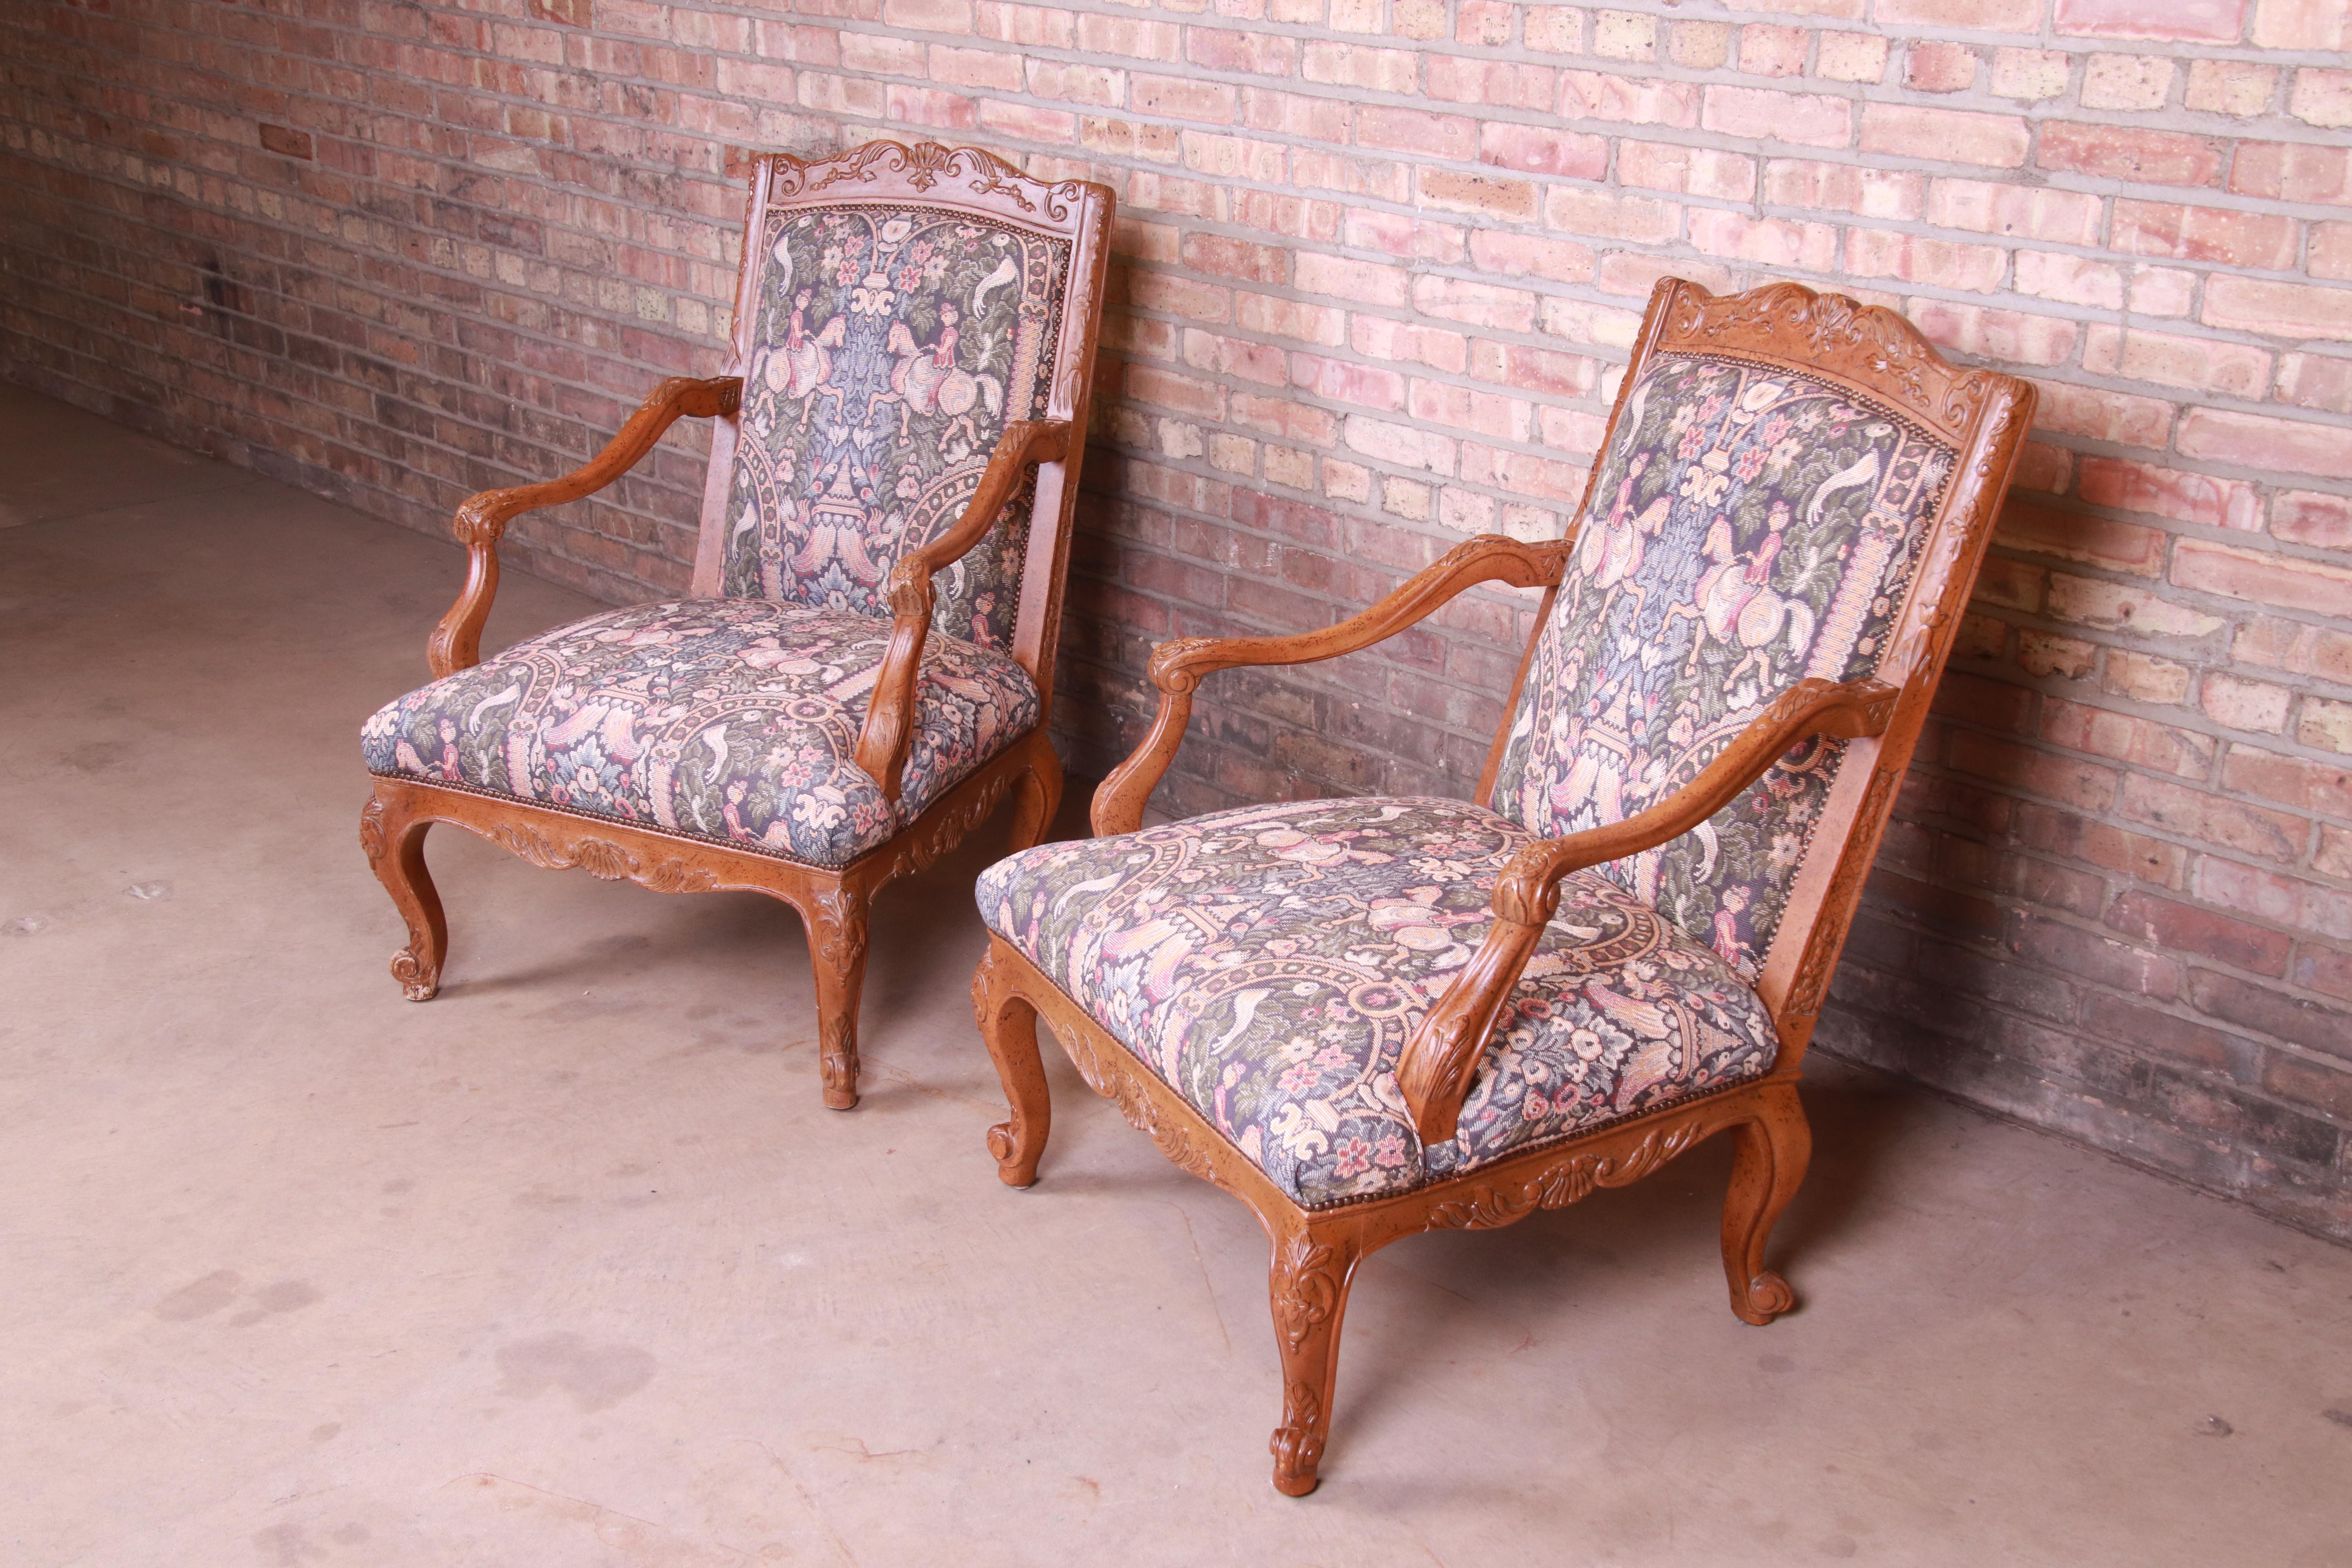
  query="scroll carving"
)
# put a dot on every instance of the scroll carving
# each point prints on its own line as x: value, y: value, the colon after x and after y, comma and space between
x: 604, y: 859
x: 1864, y: 342
x: 924, y: 165
x: 1297, y: 1443
x: 1572, y: 1181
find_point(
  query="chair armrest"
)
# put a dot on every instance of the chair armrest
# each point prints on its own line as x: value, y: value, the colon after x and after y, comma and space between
x: 1177, y: 666
x: 482, y: 519
x: 889, y: 728
x: 1434, y: 1071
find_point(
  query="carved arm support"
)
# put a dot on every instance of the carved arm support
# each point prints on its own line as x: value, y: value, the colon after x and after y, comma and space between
x: 889, y: 732
x: 1177, y: 666
x: 482, y: 519
x: 1435, y: 1069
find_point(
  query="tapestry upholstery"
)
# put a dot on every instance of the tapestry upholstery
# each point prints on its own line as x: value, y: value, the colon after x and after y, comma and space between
x: 1748, y: 528
x: 1269, y: 964
x: 730, y: 719
x: 892, y: 343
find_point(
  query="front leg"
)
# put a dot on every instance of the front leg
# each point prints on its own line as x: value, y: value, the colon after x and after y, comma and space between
x: 394, y: 842
x: 836, y: 933
x: 1308, y: 1289
x: 1767, y: 1164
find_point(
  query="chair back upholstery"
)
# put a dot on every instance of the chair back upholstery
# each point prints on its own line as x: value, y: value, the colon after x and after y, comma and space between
x: 900, y: 306
x: 1791, y: 485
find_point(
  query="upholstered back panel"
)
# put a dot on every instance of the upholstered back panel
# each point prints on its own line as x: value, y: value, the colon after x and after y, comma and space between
x: 1748, y: 527
x: 890, y: 343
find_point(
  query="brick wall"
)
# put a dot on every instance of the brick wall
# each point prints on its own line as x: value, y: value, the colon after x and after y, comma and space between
x: 1378, y: 268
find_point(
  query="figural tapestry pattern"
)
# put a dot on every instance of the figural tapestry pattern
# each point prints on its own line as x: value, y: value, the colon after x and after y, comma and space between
x: 730, y: 719
x: 1269, y: 964
x: 1748, y: 528
x: 893, y: 344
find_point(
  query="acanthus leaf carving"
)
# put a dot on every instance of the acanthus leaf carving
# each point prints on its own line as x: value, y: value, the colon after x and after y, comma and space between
x: 925, y: 164
x: 1306, y: 1285
x: 371, y: 835
x: 604, y: 859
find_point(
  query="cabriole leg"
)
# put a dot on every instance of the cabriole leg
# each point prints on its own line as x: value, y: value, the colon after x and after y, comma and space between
x: 1768, y: 1163
x: 836, y: 931
x: 394, y: 844
x: 1037, y: 796
x: 1009, y: 1023
x: 1308, y: 1290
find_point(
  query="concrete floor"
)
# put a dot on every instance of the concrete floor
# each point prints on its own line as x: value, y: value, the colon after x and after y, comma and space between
x: 569, y: 1267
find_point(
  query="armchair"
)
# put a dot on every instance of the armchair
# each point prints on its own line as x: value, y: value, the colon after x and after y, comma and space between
x: 864, y: 667
x: 1373, y: 1017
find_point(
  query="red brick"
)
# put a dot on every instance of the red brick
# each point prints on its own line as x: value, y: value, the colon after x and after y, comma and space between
x: 2260, y: 441
x: 2178, y: 494
x: 1502, y: 83
x: 1982, y: 16
x: 2201, y: 364
x: 2069, y: 217
x: 1842, y: 187
x: 1412, y: 131
x: 2305, y: 1023
x: 1915, y: 259
x: 2191, y: 813
x: 1695, y: 171
x: 1773, y: 242
x: 2128, y: 152
x: 1946, y: 135
x: 1258, y: 54
x: 1814, y: 120
x: 2180, y: 21
x: 2288, y: 781
x: 2321, y: 98
x: 1541, y: 149
x: 2306, y: 517
x: 2105, y: 416
x: 2315, y: 381
x: 2085, y: 786
x: 1768, y: 50
x: 1602, y: 215
x: 1936, y: 67
x: 2125, y: 739
x: 2291, y: 311
x: 2078, y: 536
x: 1525, y: 255
x: 2093, y: 958
x: 2294, y: 172
x: 2204, y: 234
x: 1597, y: 95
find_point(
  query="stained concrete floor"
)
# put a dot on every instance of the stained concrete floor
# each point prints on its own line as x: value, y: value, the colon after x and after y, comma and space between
x: 569, y: 1267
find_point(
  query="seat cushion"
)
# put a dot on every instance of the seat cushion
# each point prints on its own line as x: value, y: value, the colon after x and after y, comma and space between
x: 730, y: 719
x: 1269, y: 964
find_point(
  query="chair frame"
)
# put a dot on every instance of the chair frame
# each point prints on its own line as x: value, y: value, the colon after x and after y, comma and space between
x: 832, y: 902
x: 1832, y: 339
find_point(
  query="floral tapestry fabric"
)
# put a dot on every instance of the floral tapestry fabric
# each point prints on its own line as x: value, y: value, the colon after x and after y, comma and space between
x: 1269, y: 964
x: 730, y: 719
x: 1748, y: 528
x: 893, y: 344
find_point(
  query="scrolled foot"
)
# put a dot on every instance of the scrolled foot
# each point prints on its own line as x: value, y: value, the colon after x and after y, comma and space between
x: 840, y: 1082
x: 1012, y: 1169
x: 1297, y: 1446
x: 1767, y: 1297
x: 419, y: 981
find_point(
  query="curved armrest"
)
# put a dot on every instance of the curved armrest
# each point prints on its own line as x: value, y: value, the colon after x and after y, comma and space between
x: 1433, y: 1072
x: 890, y: 729
x: 1177, y: 666
x: 482, y: 520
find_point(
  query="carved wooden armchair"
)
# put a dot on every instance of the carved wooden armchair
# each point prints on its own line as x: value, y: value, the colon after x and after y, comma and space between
x: 865, y: 664
x: 1372, y: 1017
